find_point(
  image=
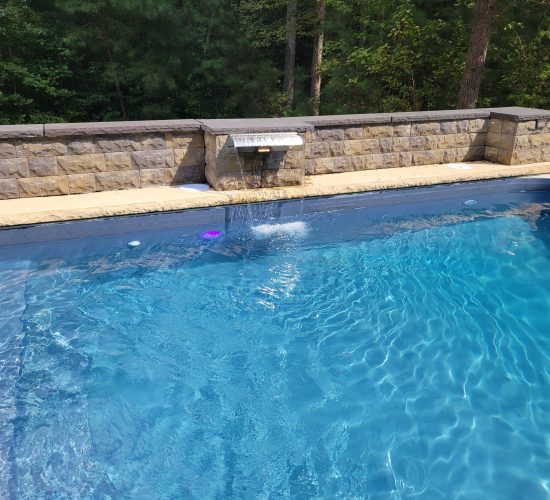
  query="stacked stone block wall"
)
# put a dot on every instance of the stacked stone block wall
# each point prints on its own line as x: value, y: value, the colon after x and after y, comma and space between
x: 516, y: 143
x: 46, y: 166
x: 57, y: 159
x: 346, y: 149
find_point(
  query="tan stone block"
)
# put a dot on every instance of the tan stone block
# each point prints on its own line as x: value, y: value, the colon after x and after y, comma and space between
x: 401, y: 144
x: 417, y: 143
x: 330, y: 134
x: 118, y: 161
x: 9, y: 189
x: 309, y: 137
x: 402, y: 130
x: 353, y: 148
x: 500, y: 141
x: 495, y: 126
x: 448, y: 127
x: 185, y: 175
x: 450, y: 156
x: 526, y: 156
x: 405, y: 159
x: 317, y: 150
x: 169, y: 176
x: 13, y: 168
x: 81, y: 164
x: 522, y: 142
x: 229, y: 163
x: 41, y: 147
x: 385, y: 160
x: 358, y: 162
x: 353, y: 133
x: 371, y: 146
x: 543, y: 126
x: 491, y: 154
x: 7, y: 150
x: 42, y: 166
x: 377, y: 131
x: 249, y: 180
x: 309, y: 167
x: 504, y: 156
x: 432, y: 157
x: 292, y: 158
x: 287, y: 177
x: 189, y: 157
x: 126, y: 179
x: 80, y: 146
x: 426, y: 128
x: 526, y: 128
x: 336, y: 148
x: 462, y: 140
x: 81, y: 183
x: 463, y: 126
x: 478, y: 139
x: 43, y: 186
x: 509, y: 127
x: 333, y: 165
x: 434, y: 141
x: 545, y: 154
x: 157, y: 176
x: 182, y: 140
x: 159, y: 158
x: 539, y: 140
x: 386, y: 144
x: 153, y: 141
x: 474, y: 126
x: 472, y: 153
x: 117, y: 143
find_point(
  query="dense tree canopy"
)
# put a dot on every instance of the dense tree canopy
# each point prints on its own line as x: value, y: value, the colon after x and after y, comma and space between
x: 83, y: 60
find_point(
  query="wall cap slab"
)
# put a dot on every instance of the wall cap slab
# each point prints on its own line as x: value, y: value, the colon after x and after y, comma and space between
x: 21, y: 131
x: 255, y: 125
x: 519, y: 114
x: 115, y: 128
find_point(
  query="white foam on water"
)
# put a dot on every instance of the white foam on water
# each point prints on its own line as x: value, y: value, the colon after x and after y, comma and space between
x: 195, y: 187
x: 460, y: 166
x: 471, y: 203
x: 298, y: 228
x: 134, y: 243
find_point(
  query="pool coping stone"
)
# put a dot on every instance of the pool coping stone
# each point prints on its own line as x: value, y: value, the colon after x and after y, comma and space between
x: 28, y: 211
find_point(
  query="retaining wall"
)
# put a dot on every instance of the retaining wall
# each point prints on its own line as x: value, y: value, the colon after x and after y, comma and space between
x: 56, y: 159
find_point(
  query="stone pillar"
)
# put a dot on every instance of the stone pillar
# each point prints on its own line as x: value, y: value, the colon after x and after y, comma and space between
x: 228, y: 168
x: 518, y: 138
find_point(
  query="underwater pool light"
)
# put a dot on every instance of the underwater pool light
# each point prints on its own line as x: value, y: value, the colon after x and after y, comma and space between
x: 211, y: 235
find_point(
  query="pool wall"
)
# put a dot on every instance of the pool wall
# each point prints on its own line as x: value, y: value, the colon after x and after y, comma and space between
x: 60, y: 159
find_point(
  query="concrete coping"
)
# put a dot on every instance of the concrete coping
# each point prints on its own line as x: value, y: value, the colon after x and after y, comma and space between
x: 21, y: 131
x: 255, y: 125
x: 518, y: 114
x: 132, y: 127
x: 259, y: 125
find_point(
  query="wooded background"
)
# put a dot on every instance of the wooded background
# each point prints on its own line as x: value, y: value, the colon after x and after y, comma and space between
x: 96, y: 60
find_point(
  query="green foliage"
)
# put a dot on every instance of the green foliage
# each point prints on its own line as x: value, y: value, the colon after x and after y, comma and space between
x: 83, y: 60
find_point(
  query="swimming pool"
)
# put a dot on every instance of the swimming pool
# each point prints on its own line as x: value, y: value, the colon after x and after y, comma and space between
x: 386, y: 345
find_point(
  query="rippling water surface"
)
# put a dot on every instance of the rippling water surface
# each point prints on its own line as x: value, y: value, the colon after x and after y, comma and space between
x: 342, y: 359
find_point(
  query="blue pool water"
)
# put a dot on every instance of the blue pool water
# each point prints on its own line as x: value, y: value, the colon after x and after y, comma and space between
x: 342, y: 356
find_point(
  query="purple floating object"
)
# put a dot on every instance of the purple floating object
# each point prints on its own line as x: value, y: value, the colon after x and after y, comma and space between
x: 211, y: 235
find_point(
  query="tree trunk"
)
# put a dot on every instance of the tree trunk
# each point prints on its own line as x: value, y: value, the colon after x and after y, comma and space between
x: 317, y: 59
x: 290, y: 51
x: 477, y: 53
